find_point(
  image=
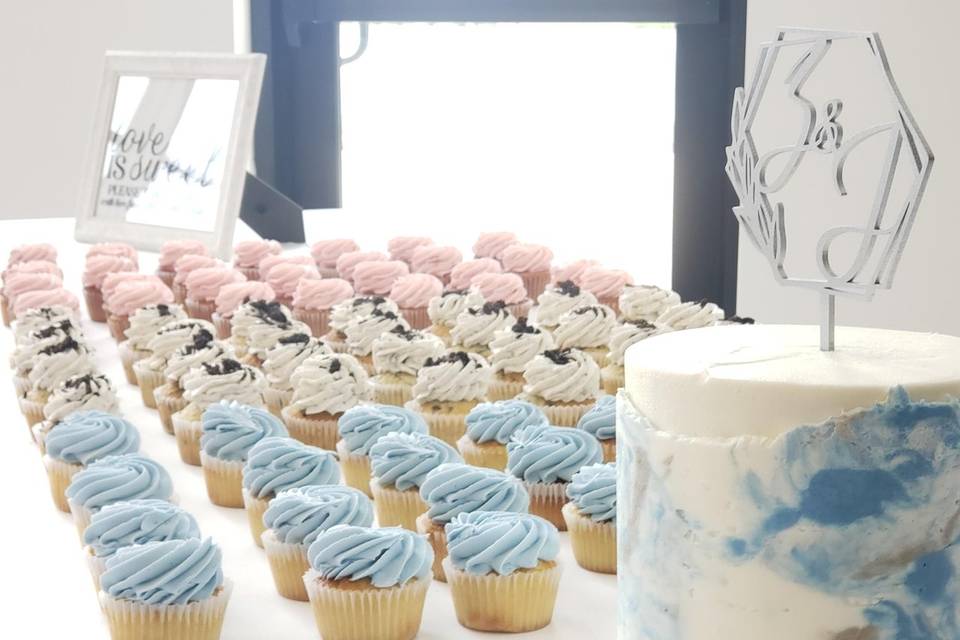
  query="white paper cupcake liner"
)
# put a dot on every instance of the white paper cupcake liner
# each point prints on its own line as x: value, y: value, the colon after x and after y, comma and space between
x: 355, y: 469
x: 168, y: 404
x: 288, y: 564
x: 129, y: 357
x: 59, y: 473
x: 277, y: 399
x: 437, y: 537
x: 201, y: 620
x: 594, y: 543
x: 393, y: 394
x: 255, y: 508
x: 500, y: 389
x: 491, y: 455
x: 96, y: 565
x: 148, y: 380
x: 188, y: 434
x: 397, y: 508
x: 224, y: 480
x: 547, y: 500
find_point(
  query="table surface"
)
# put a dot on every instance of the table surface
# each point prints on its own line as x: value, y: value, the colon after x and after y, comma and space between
x: 54, y: 594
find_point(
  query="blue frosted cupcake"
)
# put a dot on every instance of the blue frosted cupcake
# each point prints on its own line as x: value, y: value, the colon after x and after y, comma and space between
x: 601, y: 422
x: 490, y: 425
x: 400, y: 463
x: 113, y: 479
x: 293, y: 521
x: 80, y: 439
x: 230, y: 430
x: 275, y: 464
x: 452, y: 489
x: 123, y: 524
x: 360, y: 428
x: 591, y: 517
x: 502, y: 570
x: 546, y: 459
x: 165, y: 589
x: 383, y: 573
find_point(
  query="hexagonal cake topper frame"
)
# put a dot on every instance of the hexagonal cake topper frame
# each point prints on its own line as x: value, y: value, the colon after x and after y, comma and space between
x: 884, y: 234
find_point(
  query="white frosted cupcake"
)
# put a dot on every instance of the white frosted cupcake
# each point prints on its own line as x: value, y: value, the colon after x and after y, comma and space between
x: 256, y: 318
x: 558, y: 299
x: 150, y: 371
x: 623, y: 336
x: 447, y: 388
x: 646, y: 302
x: 362, y: 331
x: 345, y: 312
x: 281, y: 361
x: 397, y: 357
x: 564, y: 383
x: 144, y: 324
x: 511, y: 350
x: 80, y: 393
x: 444, y: 309
x: 29, y: 344
x: 202, y: 349
x: 476, y: 327
x: 588, y: 329
x: 52, y: 366
x: 691, y: 315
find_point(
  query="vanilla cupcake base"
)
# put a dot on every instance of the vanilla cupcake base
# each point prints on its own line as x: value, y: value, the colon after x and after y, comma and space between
x: 148, y: 380
x: 288, y: 564
x: 224, y: 480
x: 277, y: 399
x: 395, y: 394
x: 81, y: 517
x: 445, y: 420
x: 492, y: 455
x: 60, y: 473
x: 129, y: 357
x: 318, y: 431
x: 317, y: 319
x: 437, y: 537
x: 32, y: 411
x: 355, y: 469
x: 505, y: 386
x: 201, y: 620
x: 188, y: 428
x: 169, y: 400
x: 547, y: 500
x: 594, y: 543
x: 255, y: 508
x: 96, y: 565
x: 397, y: 508
x: 561, y: 414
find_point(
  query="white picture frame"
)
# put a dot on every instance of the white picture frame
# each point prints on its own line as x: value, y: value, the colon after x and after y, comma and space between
x: 248, y: 70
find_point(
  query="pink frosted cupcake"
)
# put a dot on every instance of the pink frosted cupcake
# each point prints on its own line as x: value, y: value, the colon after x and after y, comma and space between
x: 173, y: 250
x: 438, y: 261
x: 402, y: 247
x: 504, y: 287
x: 413, y: 293
x: 116, y: 249
x: 325, y: 254
x: 19, y: 283
x: 33, y: 252
x: 531, y: 262
x: 232, y: 296
x: 462, y: 276
x: 109, y: 287
x: 21, y: 268
x: 572, y: 272
x: 248, y: 254
x: 203, y: 285
x: 95, y: 271
x: 182, y: 269
x: 378, y: 277
x: 45, y: 298
x: 313, y: 300
x: 271, y: 261
x: 285, y: 277
x: 131, y: 295
x: 347, y: 262
x: 606, y: 284
x: 491, y: 245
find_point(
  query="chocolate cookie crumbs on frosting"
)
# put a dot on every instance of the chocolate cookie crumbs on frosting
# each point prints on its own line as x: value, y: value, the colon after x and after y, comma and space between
x: 641, y: 324
x: 224, y: 367
x: 567, y: 288
x: 558, y: 356
x: 449, y: 358
x: 335, y: 365
x: 489, y: 308
x: 454, y: 292
x: 65, y: 326
x: 163, y: 310
x: 91, y: 384
x: 521, y: 326
x: 201, y: 340
x: 296, y: 338
x: 374, y: 300
x: 68, y: 344
x: 407, y: 334
x: 271, y: 312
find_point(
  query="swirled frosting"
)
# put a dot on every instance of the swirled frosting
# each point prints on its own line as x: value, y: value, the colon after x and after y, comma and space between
x: 40, y: 318
x: 363, y: 330
x: 573, y: 271
x: 513, y: 348
x: 33, y: 252
x: 114, y: 280
x: 113, y: 249
x: 328, y: 383
x: 605, y: 283
x: 404, y: 351
x: 30, y: 266
x: 601, y: 420
x: 203, y: 350
x: 438, y: 261
x: 58, y: 297
x: 80, y: 393
x: 280, y: 361
x: 593, y: 489
x: 563, y: 375
x: 503, y: 287
x: 462, y: 275
x: 123, y: 524
x: 285, y: 277
x: 403, y: 460
x: 361, y: 426
x: 146, y: 321
x: 454, y: 488
x: 130, y: 476
x: 132, y: 295
x: 231, y: 429
x: 86, y: 436
x: 498, y: 421
x: 445, y: 308
x: 264, y: 336
x: 585, y: 327
x: 691, y: 315
x: 234, y: 294
x: 526, y: 258
x: 57, y: 362
x: 269, y: 262
x: 347, y: 262
x: 560, y: 298
x: 546, y: 455
x: 299, y: 515
x: 477, y: 326
x: 415, y: 291
x: 274, y: 464
x: 326, y: 252
x: 344, y: 312
x: 321, y: 294
x: 205, y: 283
x: 31, y: 344
x: 187, y: 264
x: 646, y: 302
x: 379, y: 276
x: 224, y: 380
x: 454, y: 377
x: 402, y: 247
x: 387, y: 557
x: 165, y: 572
x: 485, y: 542
x: 98, y: 266
x: 249, y: 253
x: 629, y: 333
x: 20, y: 283
x: 172, y: 250
x: 171, y: 337
x: 492, y: 244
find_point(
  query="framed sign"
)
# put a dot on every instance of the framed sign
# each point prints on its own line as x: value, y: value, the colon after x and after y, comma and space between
x: 172, y: 137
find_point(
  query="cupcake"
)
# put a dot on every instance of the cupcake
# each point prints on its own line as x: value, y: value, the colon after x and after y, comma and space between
x: 231, y: 296
x: 123, y: 524
x: 588, y: 329
x: 462, y: 275
x: 313, y: 300
x: 95, y: 270
x: 170, y: 337
x: 144, y: 323
x: 444, y: 310
x: 454, y: 488
x: 489, y: 428
x: 120, y: 249
x: 691, y: 315
x: 165, y: 589
x: 30, y: 344
x: 399, y: 463
x: 266, y: 334
x: 492, y: 245
x: 203, y: 286
x: 281, y: 361
x: 546, y: 458
x: 51, y: 366
x: 413, y: 294
x: 128, y: 297
x: 325, y: 254
x: 253, y: 315
x: 32, y: 252
x: 86, y: 392
x: 447, y: 388
x: 591, y: 517
x: 230, y: 430
x: 324, y: 387
x: 45, y: 298
x: 81, y: 439
x: 606, y: 285
x: 275, y: 464
x: 378, y: 277
x: 438, y: 261
x: 476, y: 327
x: 624, y: 335
x: 248, y: 254
x: 183, y: 267
x: 209, y: 384
x: 511, y: 350
x: 202, y: 349
x: 362, y: 331
x: 384, y: 573
x: 564, y: 383
x: 601, y: 422
x: 507, y: 288
x: 347, y: 262
x: 397, y: 357
x: 573, y: 271
x: 285, y: 277
x: 42, y: 317
x: 295, y: 518
x: 14, y: 271
x: 171, y: 251
x: 360, y: 427
x: 531, y: 262
x: 22, y: 282
x: 269, y: 262
x: 645, y: 302
x: 402, y: 247
x: 344, y: 312
x: 558, y: 299
x: 503, y: 570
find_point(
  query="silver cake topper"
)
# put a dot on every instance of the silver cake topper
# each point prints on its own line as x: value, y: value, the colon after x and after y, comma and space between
x: 760, y: 177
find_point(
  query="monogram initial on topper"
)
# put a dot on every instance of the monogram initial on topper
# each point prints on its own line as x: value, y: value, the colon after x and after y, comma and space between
x: 761, y: 177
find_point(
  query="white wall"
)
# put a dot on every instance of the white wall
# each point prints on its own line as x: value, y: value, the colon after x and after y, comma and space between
x: 52, y: 55
x: 920, y: 40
